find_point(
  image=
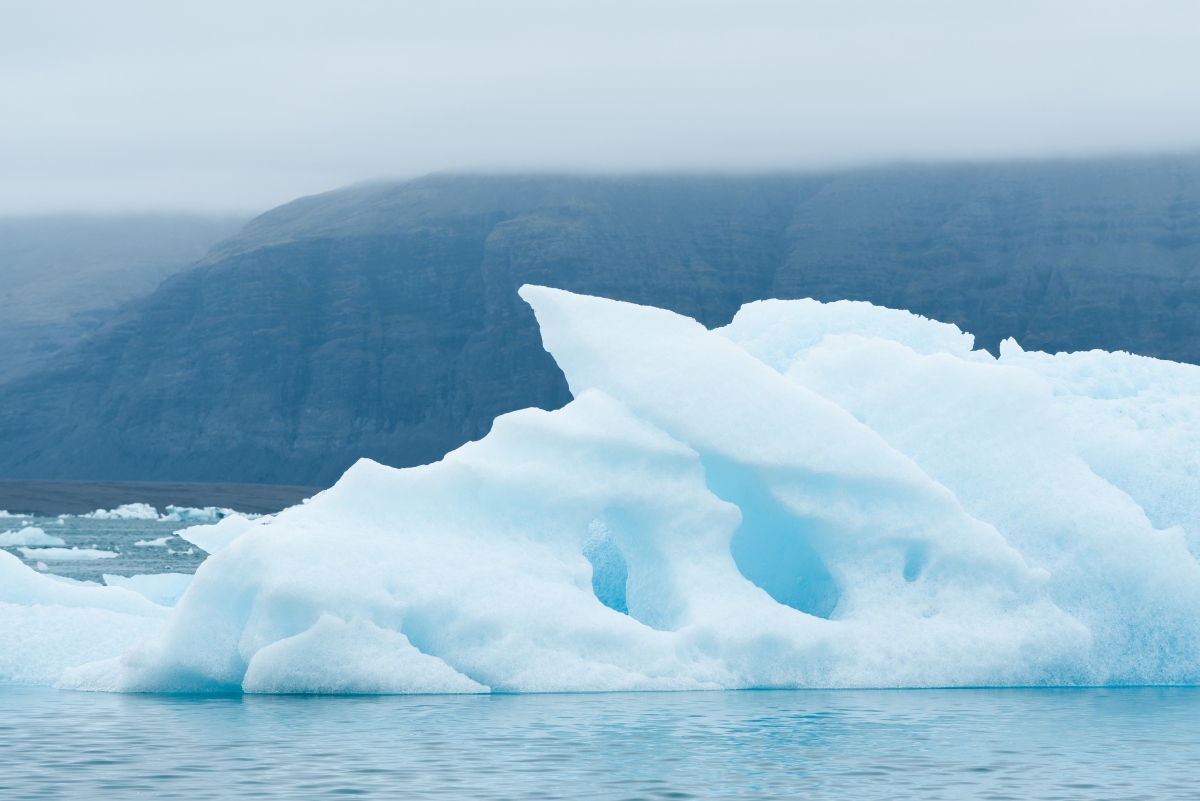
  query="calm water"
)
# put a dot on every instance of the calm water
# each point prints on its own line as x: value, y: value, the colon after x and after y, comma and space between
x: 995, y: 744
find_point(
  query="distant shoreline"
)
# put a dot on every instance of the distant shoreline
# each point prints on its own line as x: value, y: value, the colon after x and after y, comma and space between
x: 48, y: 498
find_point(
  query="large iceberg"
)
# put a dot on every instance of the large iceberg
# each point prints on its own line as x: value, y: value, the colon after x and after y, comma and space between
x: 817, y: 495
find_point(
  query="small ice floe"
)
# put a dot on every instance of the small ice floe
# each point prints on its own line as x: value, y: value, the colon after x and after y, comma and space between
x: 126, y: 511
x: 191, y: 514
x: 3, y: 513
x: 65, y: 554
x: 213, y: 538
x: 174, y: 514
x: 164, y: 589
x: 43, y: 566
x: 29, y: 536
x: 161, y: 542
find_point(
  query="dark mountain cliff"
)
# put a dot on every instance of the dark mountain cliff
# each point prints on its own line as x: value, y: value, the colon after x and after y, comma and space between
x: 383, y: 320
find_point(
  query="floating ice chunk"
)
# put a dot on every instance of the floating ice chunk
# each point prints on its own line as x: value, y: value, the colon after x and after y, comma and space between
x: 31, y: 535
x: 48, y: 624
x: 164, y: 589
x: 4, y: 513
x: 42, y: 566
x: 880, y: 506
x: 128, y: 511
x: 189, y: 514
x: 66, y: 554
x: 479, y: 560
x: 161, y: 542
x: 213, y: 538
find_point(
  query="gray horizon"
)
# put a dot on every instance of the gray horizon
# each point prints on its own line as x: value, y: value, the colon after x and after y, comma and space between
x: 144, y: 108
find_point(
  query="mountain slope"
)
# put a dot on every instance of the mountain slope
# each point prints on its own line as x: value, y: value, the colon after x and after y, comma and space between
x: 383, y: 321
x: 62, y: 276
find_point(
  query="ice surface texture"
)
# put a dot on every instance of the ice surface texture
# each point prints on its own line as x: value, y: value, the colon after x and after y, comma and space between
x: 829, y: 495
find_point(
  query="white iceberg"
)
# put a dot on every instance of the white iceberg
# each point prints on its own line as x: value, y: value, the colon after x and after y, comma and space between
x: 818, y: 495
x: 160, y: 542
x: 66, y: 554
x: 191, y: 514
x: 48, y: 624
x: 30, y: 535
x: 173, y: 514
x: 127, y: 511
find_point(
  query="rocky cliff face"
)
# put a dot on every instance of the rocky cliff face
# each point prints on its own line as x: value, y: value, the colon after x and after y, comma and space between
x: 383, y: 320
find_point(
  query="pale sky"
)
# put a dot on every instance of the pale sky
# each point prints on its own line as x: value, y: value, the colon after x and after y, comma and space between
x: 240, y: 106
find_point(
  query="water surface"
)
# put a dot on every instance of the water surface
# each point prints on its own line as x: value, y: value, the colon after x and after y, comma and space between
x: 928, y: 744
x: 114, y: 536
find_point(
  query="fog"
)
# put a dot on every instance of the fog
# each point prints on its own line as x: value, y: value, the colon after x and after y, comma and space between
x: 240, y: 106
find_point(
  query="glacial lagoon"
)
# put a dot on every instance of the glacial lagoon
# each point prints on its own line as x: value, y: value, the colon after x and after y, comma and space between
x: 1129, y: 743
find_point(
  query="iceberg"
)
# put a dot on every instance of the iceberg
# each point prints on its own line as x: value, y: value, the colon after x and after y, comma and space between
x: 30, y: 535
x: 817, y: 495
x: 127, y: 511
x: 190, y: 514
x: 160, y: 542
x: 49, y: 624
x: 174, y: 514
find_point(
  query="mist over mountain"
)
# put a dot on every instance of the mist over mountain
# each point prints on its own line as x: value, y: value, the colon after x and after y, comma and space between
x: 62, y: 276
x: 382, y: 320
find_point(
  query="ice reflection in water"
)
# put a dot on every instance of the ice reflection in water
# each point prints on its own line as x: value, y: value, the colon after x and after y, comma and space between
x: 1086, y: 744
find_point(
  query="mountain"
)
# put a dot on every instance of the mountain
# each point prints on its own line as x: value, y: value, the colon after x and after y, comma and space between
x: 62, y: 276
x: 382, y: 320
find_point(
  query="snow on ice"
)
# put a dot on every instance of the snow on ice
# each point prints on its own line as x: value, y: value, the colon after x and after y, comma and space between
x: 817, y: 495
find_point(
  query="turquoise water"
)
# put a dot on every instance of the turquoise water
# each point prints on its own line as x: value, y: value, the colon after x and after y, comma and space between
x: 927, y: 744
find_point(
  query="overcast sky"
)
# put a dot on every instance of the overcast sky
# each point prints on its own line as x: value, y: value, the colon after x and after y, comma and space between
x: 240, y: 106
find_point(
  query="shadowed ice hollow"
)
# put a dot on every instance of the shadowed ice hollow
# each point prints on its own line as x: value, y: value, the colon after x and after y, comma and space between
x: 817, y: 495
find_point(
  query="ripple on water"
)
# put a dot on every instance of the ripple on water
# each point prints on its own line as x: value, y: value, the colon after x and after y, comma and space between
x: 995, y: 744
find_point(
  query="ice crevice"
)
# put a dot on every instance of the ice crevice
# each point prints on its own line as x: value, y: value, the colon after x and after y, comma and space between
x: 817, y: 495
